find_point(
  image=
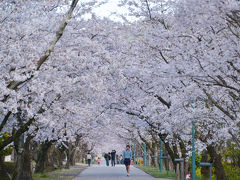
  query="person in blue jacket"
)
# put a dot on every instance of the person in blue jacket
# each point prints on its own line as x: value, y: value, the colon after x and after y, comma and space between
x: 127, y: 157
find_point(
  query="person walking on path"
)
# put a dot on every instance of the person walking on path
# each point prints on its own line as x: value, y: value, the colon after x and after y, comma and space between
x: 98, y: 160
x: 127, y: 157
x: 89, y: 158
x: 107, y: 158
x: 113, y: 155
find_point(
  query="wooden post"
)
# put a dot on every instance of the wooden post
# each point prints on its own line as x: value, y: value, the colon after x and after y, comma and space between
x: 178, y: 174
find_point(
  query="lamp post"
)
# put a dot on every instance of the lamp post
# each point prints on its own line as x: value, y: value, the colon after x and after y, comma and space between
x: 161, y: 152
x: 144, y: 157
x: 193, y: 148
x: 134, y: 153
x: 137, y: 154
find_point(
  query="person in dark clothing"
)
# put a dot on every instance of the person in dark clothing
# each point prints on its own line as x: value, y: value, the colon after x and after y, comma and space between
x: 113, y: 157
x: 117, y: 159
x: 89, y: 158
x: 107, y: 158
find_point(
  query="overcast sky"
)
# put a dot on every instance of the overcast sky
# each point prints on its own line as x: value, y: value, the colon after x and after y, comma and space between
x: 110, y: 9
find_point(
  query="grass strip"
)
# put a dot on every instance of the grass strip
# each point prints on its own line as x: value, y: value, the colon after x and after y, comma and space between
x: 155, y: 172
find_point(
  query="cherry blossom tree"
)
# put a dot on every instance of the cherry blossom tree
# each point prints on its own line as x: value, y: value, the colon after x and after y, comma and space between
x: 185, y: 55
x: 170, y: 63
x: 26, y: 96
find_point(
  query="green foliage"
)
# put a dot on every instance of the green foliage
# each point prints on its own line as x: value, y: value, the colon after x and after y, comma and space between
x: 8, y: 150
x: 233, y: 173
x: 198, y: 160
x: 232, y: 153
x: 198, y: 167
x: 201, y: 178
x: 231, y: 157
x: 44, y: 175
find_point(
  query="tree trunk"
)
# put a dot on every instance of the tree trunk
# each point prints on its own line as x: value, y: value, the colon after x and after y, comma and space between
x: 67, y: 166
x: 184, y: 154
x: 20, y: 156
x: 156, y: 155
x: 3, y: 172
x: 170, y: 152
x: 239, y: 161
x: 24, y: 170
x: 27, y: 167
x: 178, y: 172
x: 51, y: 163
x: 176, y: 155
x: 217, y: 163
x: 73, y: 162
x: 70, y: 155
x: 58, y: 158
x: 42, y: 157
x: 204, y: 169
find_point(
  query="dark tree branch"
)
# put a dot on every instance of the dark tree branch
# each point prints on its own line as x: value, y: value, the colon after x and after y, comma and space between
x: 59, y: 34
x: 218, y: 106
x: 5, y: 120
x: 20, y: 131
x: 148, y: 9
x: 168, y: 104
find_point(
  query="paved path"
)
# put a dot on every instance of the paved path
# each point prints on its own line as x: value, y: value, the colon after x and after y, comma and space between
x: 118, y: 172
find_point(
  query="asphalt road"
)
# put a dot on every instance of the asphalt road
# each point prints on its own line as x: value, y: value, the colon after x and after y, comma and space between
x: 101, y: 172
